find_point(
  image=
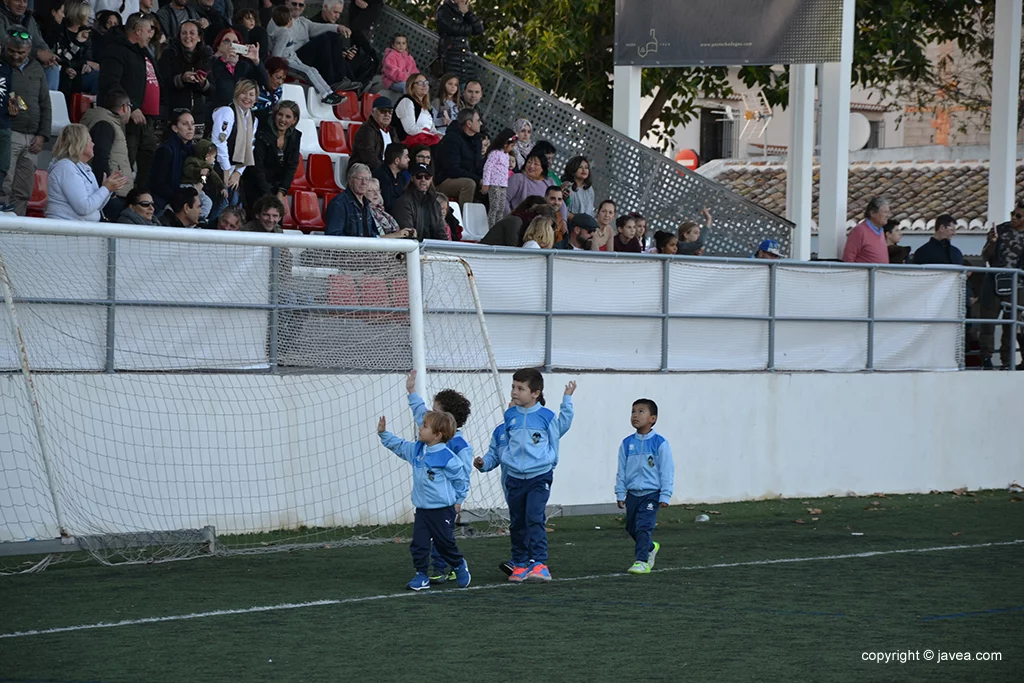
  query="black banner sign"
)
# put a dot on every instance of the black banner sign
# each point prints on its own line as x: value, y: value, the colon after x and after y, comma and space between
x: 666, y: 33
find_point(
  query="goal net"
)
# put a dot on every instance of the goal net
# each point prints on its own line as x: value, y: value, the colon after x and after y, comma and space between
x: 215, y: 392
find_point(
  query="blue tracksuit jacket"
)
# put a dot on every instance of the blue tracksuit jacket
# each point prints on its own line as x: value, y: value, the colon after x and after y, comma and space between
x: 458, y: 445
x: 439, y: 479
x: 645, y: 466
x: 533, y: 435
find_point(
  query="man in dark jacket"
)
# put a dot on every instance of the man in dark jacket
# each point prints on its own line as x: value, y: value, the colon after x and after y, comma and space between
x: 352, y: 60
x: 939, y: 249
x: 373, y: 136
x: 128, y: 64
x: 456, y: 22
x: 30, y: 128
x: 184, y: 209
x: 393, y: 174
x: 106, y: 128
x: 348, y: 214
x: 418, y: 207
x: 460, y: 163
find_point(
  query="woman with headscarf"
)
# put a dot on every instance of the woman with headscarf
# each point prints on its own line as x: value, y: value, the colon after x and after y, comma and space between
x: 276, y: 155
x: 234, y: 134
x: 184, y: 70
x: 524, y: 145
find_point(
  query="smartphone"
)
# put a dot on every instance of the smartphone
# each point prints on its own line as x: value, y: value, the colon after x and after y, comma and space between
x: 200, y: 74
x: 240, y: 49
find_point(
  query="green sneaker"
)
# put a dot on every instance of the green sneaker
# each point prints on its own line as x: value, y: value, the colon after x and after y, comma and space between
x: 437, y: 575
x: 450, y: 576
x: 653, y: 553
x: 640, y: 568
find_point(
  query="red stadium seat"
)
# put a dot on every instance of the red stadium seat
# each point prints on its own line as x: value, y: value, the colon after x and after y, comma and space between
x: 332, y: 137
x: 341, y: 290
x: 368, y: 99
x: 348, y: 108
x: 328, y: 196
x: 299, y: 181
x: 80, y: 103
x: 37, y: 202
x: 352, y: 128
x: 307, y: 212
x: 288, y: 221
x: 321, y: 174
x: 374, y: 292
x: 400, y: 293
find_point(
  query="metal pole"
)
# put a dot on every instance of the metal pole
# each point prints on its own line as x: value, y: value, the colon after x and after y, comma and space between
x: 1013, y: 323
x: 112, y: 305
x: 871, y: 319
x: 416, y: 325
x: 549, y: 298
x: 37, y: 411
x: 772, y: 269
x: 274, y: 318
x: 666, y: 277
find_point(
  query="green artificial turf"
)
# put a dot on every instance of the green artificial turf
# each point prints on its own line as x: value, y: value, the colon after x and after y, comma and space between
x: 691, y: 620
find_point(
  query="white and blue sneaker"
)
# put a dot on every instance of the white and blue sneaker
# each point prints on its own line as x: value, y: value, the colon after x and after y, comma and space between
x: 462, y: 575
x: 650, y: 556
x: 419, y: 582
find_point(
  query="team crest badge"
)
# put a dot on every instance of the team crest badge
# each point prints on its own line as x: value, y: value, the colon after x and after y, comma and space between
x: 536, y: 437
x: 650, y: 460
x: 430, y: 475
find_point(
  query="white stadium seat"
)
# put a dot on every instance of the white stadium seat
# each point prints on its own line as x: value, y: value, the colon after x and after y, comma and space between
x: 60, y: 118
x: 474, y: 225
x: 296, y: 93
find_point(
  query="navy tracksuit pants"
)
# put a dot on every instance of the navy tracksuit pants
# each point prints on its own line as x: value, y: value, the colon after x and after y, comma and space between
x: 641, y: 514
x: 436, y: 525
x: 527, y: 506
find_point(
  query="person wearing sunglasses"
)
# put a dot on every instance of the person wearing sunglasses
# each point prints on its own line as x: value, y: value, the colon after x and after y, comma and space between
x: 31, y: 127
x: 1003, y: 249
x: 140, y: 209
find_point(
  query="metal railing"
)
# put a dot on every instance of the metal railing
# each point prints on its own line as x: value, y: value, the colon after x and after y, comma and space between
x: 772, y: 318
x: 634, y: 176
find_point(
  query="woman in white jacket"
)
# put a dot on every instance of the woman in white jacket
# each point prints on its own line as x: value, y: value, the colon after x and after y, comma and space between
x: 73, y: 192
x: 413, y: 111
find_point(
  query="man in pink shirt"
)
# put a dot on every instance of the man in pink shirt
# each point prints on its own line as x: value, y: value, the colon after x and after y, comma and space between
x: 866, y: 242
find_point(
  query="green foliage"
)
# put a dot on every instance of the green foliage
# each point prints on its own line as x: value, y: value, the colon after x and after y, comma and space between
x: 565, y: 47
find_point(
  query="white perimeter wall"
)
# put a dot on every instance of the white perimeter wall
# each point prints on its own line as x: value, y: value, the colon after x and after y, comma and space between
x: 735, y: 437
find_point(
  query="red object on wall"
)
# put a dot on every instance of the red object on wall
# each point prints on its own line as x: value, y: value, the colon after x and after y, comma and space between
x: 688, y: 159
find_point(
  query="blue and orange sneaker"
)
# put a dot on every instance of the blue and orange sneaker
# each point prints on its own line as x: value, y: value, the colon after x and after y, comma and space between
x: 518, y: 574
x: 538, y: 572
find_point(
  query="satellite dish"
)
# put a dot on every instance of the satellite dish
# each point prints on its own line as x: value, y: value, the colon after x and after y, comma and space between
x: 860, y: 131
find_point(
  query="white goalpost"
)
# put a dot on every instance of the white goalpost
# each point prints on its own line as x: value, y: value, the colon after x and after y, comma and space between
x: 165, y: 393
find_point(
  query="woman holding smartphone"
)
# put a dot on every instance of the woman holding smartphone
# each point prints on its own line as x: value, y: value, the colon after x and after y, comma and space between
x: 232, y: 62
x: 185, y: 69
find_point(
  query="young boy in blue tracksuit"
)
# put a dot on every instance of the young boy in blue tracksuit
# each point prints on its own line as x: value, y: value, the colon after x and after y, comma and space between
x: 529, y: 461
x: 499, y: 442
x: 643, y: 482
x: 439, y: 485
x: 445, y: 401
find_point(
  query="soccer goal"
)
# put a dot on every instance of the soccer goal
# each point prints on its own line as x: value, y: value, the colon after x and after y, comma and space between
x: 168, y: 394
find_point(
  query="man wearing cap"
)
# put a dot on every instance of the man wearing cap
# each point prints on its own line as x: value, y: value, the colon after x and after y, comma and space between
x: 374, y: 136
x: 581, y: 233
x: 768, y: 249
x: 418, y: 207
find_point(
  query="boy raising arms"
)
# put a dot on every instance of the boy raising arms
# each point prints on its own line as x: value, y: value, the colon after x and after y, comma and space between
x: 643, y: 482
x: 445, y: 401
x: 439, y: 485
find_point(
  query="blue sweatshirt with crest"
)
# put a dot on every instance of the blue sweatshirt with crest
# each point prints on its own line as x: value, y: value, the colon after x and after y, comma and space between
x: 439, y: 479
x: 533, y: 436
x: 645, y: 466
x: 458, y: 445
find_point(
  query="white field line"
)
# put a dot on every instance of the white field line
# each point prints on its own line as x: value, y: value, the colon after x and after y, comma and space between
x: 407, y: 594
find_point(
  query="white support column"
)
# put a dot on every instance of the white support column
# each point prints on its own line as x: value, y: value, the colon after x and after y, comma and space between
x: 1005, y: 95
x: 626, y: 101
x: 835, y: 144
x: 800, y: 160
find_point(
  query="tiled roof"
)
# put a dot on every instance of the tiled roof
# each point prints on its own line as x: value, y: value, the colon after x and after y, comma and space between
x: 917, y: 190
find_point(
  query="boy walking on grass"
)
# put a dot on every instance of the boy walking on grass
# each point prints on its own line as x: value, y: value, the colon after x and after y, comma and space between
x: 439, y: 485
x: 644, y: 481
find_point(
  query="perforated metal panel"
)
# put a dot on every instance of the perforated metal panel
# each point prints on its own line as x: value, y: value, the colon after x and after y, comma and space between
x: 635, y: 177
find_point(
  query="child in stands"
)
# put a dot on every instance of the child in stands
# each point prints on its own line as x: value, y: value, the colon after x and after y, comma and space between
x: 458, y: 406
x: 644, y: 481
x: 534, y: 433
x: 440, y: 482
x: 626, y: 239
x: 494, y: 182
x: 398, y: 64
